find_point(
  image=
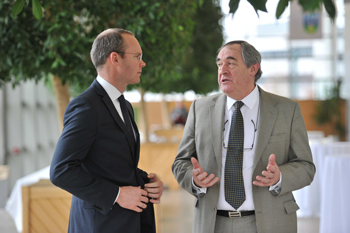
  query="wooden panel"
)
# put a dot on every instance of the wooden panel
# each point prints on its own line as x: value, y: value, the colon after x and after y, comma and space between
x: 61, y: 206
x: 44, y: 219
x: 35, y: 225
x: 25, y: 209
x: 308, y: 110
x: 45, y: 208
x: 158, y: 158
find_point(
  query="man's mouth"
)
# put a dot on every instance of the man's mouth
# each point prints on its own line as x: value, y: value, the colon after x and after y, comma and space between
x: 224, y: 80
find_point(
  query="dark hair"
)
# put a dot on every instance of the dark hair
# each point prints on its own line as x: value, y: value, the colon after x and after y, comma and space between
x: 250, y: 55
x: 106, y: 42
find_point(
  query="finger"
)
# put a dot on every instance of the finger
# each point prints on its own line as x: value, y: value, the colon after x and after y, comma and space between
x: 195, y: 163
x: 155, y: 195
x: 195, y: 172
x: 272, y: 160
x: 262, y: 179
x: 208, y: 179
x: 202, y: 176
x: 143, y: 192
x: 142, y: 205
x: 153, y: 190
x: 153, y: 177
x: 144, y: 199
x: 209, y: 182
x: 257, y: 183
x: 272, y: 169
x: 213, y: 181
x: 155, y: 201
x: 137, y: 209
x: 153, y: 185
x: 268, y: 174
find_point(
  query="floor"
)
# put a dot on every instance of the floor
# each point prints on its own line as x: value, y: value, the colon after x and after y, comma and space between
x: 176, y: 210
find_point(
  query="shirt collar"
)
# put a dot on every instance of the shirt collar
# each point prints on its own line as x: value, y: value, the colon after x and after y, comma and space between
x: 250, y: 100
x: 112, y: 92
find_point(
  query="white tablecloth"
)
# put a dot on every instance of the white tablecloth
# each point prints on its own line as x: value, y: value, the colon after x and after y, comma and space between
x: 335, y: 203
x: 14, y: 203
x: 309, y: 198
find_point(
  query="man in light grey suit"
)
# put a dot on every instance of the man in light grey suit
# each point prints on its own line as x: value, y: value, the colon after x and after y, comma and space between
x: 276, y: 155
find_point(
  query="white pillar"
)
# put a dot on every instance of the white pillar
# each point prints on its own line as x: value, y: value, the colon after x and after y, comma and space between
x: 346, y: 82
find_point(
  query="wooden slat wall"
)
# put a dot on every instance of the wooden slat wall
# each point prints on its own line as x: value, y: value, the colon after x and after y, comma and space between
x: 45, y: 208
x: 158, y: 158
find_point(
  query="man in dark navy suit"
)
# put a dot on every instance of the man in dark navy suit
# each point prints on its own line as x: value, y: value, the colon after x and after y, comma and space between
x: 97, y: 154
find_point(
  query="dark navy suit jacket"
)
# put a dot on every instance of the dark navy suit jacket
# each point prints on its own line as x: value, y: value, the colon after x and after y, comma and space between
x: 95, y: 155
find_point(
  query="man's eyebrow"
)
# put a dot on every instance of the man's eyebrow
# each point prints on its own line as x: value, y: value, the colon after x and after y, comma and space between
x: 229, y: 57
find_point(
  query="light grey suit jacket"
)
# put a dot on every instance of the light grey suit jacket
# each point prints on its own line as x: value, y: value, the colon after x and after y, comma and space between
x: 281, y: 131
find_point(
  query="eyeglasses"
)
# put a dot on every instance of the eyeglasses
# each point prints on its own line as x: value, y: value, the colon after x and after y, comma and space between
x: 246, y: 149
x: 138, y: 55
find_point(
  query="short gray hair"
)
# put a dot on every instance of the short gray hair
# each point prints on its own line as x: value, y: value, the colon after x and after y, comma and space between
x: 250, y: 55
x: 106, y: 42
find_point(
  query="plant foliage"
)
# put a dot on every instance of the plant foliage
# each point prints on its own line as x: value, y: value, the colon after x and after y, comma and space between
x: 329, y: 110
x: 59, y: 44
x: 307, y: 5
x: 199, y: 73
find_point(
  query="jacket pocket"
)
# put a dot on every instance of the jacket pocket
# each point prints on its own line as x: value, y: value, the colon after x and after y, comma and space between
x: 277, y: 138
x: 290, y: 206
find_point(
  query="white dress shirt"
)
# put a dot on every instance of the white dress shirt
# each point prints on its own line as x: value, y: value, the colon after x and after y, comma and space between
x: 113, y: 93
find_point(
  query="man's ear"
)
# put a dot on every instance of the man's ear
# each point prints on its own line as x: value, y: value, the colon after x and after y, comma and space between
x: 113, y: 58
x: 254, y: 69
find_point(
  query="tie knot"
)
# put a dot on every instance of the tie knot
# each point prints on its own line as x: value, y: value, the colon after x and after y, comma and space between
x: 238, y: 104
x: 121, y: 98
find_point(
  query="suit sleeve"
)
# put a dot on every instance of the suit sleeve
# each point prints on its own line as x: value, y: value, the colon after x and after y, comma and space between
x: 182, y: 166
x: 300, y: 166
x: 66, y: 172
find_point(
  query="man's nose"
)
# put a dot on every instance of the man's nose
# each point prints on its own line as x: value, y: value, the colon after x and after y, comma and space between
x: 143, y: 64
x: 223, y: 69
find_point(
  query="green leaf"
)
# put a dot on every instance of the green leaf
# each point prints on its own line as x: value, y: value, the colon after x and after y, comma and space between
x: 258, y: 5
x: 282, y: 5
x: 330, y: 8
x: 17, y: 7
x: 200, y: 2
x: 233, y: 6
x: 311, y: 6
x: 37, y: 11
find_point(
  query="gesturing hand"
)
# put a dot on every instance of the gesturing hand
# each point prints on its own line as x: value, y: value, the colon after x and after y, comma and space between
x: 200, y: 177
x: 271, y: 176
x: 154, y: 188
x: 132, y: 198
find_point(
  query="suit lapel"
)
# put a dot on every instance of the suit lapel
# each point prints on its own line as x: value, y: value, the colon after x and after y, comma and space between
x: 108, y: 102
x: 217, y: 113
x: 267, y: 118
